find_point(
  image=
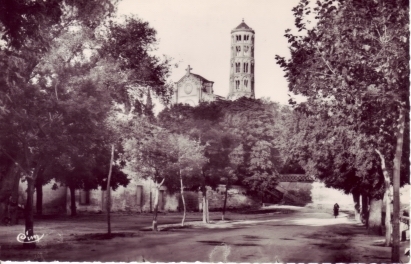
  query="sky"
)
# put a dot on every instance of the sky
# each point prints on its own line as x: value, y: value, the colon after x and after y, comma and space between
x: 197, y: 33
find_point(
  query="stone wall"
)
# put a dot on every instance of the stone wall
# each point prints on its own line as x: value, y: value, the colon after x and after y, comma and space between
x: 138, y: 196
x: 296, y: 193
x: 54, y: 200
x: 236, y: 198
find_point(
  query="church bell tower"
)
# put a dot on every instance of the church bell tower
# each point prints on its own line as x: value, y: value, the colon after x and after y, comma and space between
x: 242, y: 62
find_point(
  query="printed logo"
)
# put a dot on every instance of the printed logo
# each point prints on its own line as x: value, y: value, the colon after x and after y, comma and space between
x: 30, y: 239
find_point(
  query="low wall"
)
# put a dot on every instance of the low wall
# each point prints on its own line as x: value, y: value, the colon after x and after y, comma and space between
x: 54, y: 199
x: 236, y: 198
x: 138, y: 196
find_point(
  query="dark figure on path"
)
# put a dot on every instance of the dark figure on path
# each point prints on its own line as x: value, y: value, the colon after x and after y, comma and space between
x: 336, y: 208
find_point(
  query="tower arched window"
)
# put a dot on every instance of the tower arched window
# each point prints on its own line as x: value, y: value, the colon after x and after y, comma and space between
x: 246, y: 50
x: 237, y: 85
x: 238, y: 37
x: 245, y: 67
x: 246, y: 83
x: 238, y: 49
x: 252, y: 67
x: 237, y: 67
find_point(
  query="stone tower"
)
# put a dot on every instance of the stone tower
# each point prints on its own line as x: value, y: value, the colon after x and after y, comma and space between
x: 242, y: 62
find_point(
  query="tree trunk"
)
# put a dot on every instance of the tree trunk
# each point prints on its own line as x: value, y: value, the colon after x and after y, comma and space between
x: 387, y: 184
x: 182, y: 198
x: 387, y: 204
x: 72, y: 201
x: 29, y: 221
x: 225, y: 202
x: 151, y: 201
x: 395, y: 254
x: 108, y: 192
x: 356, y: 198
x: 207, y: 211
x: 364, y: 208
x: 374, y: 219
x: 205, y: 204
x: 156, y: 193
x: 39, y: 194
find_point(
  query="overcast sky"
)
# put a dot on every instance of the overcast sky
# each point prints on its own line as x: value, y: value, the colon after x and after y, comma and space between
x: 197, y: 33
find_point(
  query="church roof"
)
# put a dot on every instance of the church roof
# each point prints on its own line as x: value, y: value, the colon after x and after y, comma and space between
x: 243, y: 27
x: 219, y: 97
x: 202, y: 78
x: 197, y: 76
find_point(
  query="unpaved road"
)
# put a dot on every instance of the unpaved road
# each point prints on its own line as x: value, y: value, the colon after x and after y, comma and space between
x: 280, y: 234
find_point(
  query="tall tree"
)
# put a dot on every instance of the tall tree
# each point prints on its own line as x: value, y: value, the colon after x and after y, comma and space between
x: 34, y: 20
x: 151, y: 157
x: 353, y: 64
x: 224, y: 125
x: 254, y: 121
x: 131, y: 43
x: 28, y: 112
x: 236, y: 160
x: 188, y: 163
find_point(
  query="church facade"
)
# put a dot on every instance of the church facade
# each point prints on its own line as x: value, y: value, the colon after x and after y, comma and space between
x: 193, y: 89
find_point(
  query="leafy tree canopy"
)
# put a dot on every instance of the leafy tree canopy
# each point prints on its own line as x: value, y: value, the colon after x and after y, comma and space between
x: 353, y: 66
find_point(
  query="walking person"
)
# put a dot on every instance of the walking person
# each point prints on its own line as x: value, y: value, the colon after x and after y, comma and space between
x: 336, y: 208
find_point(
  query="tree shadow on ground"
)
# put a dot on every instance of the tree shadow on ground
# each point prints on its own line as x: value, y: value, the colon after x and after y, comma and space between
x: 268, y: 211
x: 103, y: 236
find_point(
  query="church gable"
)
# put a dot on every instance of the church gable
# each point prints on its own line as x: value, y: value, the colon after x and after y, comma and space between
x: 188, y: 90
x: 192, y: 89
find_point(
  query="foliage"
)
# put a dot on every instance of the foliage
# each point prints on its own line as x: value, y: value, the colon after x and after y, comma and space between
x: 353, y: 67
x: 150, y: 156
x: 60, y: 90
x: 189, y: 160
x: 24, y: 20
x: 227, y: 128
x: 255, y: 121
x: 131, y: 43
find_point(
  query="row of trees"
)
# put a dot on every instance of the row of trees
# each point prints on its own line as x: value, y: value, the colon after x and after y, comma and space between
x: 76, y: 107
x: 75, y: 85
x: 68, y: 72
x: 352, y: 64
x: 221, y: 142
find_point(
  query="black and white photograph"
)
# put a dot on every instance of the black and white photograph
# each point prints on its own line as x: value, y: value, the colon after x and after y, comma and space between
x: 235, y: 131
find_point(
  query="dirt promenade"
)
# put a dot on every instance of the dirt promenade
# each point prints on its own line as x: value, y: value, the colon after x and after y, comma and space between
x: 277, y: 234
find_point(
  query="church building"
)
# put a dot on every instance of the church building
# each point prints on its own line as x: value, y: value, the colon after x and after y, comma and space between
x: 192, y: 88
